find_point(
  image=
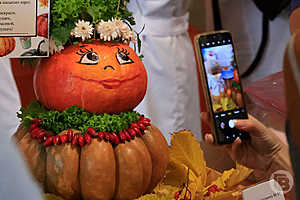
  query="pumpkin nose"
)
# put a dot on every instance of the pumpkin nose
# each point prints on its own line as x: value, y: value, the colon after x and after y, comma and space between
x: 109, y: 66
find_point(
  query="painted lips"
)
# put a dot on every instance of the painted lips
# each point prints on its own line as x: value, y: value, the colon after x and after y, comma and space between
x: 108, y: 83
x: 111, y: 83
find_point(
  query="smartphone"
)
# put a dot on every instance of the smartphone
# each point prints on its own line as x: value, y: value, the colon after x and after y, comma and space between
x: 221, y: 84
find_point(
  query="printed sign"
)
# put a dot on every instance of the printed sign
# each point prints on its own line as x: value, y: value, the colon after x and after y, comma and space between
x: 269, y: 190
x: 24, y: 26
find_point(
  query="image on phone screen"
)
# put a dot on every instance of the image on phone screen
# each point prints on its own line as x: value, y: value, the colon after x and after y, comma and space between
x: 223, y: 85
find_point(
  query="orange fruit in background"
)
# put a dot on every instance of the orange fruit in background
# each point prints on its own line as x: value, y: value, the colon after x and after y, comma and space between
x: 239, y: 100
x: 228, y: 92
x: 99, y: 77
x: 7, y: 45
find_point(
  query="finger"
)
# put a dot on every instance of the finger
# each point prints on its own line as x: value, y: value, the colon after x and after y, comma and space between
x: 250, y: 125
x: 205, y: 117
x: 209, y: 138
x: 233, y: 150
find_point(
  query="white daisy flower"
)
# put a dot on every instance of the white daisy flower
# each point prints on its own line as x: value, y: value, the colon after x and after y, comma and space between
x: 53, y: 48
x: 121, y: 26
x: 108, y: 30
x: 83, y: 30
x: 129, y: 36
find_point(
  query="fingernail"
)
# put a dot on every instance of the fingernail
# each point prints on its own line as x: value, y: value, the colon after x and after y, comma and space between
x: 235, y: 122
x: 206, y: 137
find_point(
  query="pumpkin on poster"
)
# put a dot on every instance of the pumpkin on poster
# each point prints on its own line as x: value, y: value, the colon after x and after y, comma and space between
x: 42, y: 25
x: 7, y: 45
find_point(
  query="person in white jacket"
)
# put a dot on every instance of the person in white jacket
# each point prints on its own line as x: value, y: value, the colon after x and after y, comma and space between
x: 15, y: 181
x: 172, y: 97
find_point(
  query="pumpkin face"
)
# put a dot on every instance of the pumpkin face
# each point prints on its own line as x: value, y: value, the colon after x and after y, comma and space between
x: 98, y: 170
x: 99, y: 77
x: 7, y: 45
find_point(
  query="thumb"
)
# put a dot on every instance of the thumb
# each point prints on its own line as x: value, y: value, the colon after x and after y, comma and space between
x: 251, y: 125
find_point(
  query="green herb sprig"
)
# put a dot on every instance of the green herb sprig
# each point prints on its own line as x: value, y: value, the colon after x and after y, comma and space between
x: 76, y: 118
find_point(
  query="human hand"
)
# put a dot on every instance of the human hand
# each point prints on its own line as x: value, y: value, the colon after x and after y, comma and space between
x: 257, y: 153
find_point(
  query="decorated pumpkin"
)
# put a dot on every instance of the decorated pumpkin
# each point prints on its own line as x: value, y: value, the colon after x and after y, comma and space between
x: 82, y: 139
x: 42, y: 24
x: 99, y: 170
x: 99, y: 77
x: 7, y: 45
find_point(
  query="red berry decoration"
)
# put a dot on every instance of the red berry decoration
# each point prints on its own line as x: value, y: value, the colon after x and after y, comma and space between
x: 100, y: 135
x: 142, y: 126
x: 75, y: 140
x: 92, y: 132
x: 106, y: 136
x: 56, y: 140
x: 87, y: 138
x: 64, y: 138
x: 131, y: 132
x: 81, y: 140
x: 137, y: 131
x: 33, y: 126
x: 128, y: 138
x: 122, y: 136
x: 49, y: 141
x: 70, y: 135
x: 115, y: 139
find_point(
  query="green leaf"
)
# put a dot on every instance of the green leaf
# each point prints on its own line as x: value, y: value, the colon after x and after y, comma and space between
x: 76, y: 118
x: 61, y: 34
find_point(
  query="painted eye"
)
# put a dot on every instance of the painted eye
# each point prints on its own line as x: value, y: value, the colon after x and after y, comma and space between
x: 90, y: 58
x: 122, y: 57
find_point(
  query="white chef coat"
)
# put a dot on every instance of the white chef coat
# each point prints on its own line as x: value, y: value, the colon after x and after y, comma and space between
x: 9, y: 100
x: 15, y: 181
x: 172, y: 97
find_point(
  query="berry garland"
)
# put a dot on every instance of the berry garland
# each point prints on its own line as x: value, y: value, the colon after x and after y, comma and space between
x: 135, y: 130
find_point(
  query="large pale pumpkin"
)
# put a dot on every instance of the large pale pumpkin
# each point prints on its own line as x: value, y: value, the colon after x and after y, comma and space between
x: 98, y: 170
x: 7, y: 45
x: 99, y: 77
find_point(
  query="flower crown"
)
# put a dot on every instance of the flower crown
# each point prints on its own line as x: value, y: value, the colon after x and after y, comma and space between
x: 82, y: 20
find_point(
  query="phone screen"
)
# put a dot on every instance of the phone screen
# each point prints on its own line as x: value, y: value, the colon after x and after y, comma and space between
x: 223, y: 85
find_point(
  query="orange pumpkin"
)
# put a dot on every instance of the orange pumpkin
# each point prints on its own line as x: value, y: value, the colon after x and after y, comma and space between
x: 98, y: 170
x: 7, y: 45
x: 99, y: 77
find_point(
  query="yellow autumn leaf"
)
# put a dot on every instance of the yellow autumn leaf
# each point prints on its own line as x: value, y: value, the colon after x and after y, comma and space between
x: 186, y: 149
x: 239, y: 175
x: 231, y: 178
x: 176, y: 173
x: 196, y: 186
x: 163, y: 190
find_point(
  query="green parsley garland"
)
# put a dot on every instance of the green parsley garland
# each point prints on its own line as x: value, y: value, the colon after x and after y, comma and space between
x: 76, y: 118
